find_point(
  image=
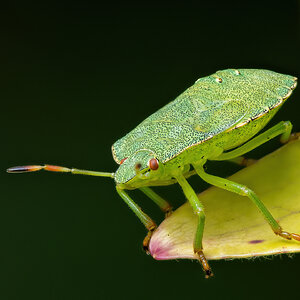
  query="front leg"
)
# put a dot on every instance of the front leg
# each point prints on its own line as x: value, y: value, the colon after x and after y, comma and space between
x: 144, y: 218
x: 199, y: 211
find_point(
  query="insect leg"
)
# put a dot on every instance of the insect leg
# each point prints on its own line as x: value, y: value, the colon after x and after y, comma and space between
x: 242, y: 161
x: 162, y: 203
x: 144, y: 218
x: 245, y: 191
x: 284, y: 128
x: 199, y: 211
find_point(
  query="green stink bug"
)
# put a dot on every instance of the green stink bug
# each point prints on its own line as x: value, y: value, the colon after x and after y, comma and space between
x: 218, y: 113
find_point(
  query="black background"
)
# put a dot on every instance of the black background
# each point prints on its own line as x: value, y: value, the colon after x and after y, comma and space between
x: 75, y: 77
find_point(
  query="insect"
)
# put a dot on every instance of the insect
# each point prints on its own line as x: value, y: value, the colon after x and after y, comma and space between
x: 215, y: 119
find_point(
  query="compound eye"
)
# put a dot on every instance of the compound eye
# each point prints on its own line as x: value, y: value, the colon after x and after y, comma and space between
x: 153, y: 164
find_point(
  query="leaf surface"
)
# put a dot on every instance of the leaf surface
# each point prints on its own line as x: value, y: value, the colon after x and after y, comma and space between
x: 234, y: 227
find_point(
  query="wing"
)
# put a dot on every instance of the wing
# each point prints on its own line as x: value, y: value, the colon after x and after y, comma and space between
x: 179, y: 126
x: 212, y: 105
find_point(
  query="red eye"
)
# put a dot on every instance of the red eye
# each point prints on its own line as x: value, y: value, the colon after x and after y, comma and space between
x: 153, y: 164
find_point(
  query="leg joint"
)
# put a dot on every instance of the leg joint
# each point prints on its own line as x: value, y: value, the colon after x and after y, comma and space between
x: 245, y: 191
x: 151, y: 226
x: 287, y: 124
x: 200, y: 213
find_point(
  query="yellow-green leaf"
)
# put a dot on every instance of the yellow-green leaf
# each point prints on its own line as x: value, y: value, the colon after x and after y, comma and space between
x: 234, y: 227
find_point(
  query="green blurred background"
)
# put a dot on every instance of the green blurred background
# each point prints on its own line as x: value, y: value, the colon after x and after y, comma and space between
x: 75, y: 77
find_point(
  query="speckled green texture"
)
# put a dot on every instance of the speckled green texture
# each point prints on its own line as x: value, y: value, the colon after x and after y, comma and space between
x: 217, y: 113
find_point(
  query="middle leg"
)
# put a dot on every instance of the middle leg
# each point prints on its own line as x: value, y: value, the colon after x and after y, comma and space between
x: 162, y: 203
x: 199, y: 211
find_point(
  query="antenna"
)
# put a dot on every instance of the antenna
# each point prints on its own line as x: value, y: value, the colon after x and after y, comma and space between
x: 51, y: 168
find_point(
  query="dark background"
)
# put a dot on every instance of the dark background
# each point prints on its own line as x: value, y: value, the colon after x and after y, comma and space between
x: 75, y: 77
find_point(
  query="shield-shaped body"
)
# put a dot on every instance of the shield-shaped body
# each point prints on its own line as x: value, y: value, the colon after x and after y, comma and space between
x: 217, y: 113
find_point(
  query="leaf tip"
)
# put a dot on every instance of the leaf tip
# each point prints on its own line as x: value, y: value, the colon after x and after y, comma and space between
x: 159, y: 248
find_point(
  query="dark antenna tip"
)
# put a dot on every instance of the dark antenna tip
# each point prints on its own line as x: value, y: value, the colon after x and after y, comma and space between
x: 24, y: 169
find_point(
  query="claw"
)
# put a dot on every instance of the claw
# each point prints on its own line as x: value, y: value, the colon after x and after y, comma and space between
x: 294, y: 136
x: 295, y: 236
x: 285, y: 235
x: 146, y: 241
x: 289, y: 236
x: 168, y: 213
x: 205, y: 265
x: 208, y: 274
